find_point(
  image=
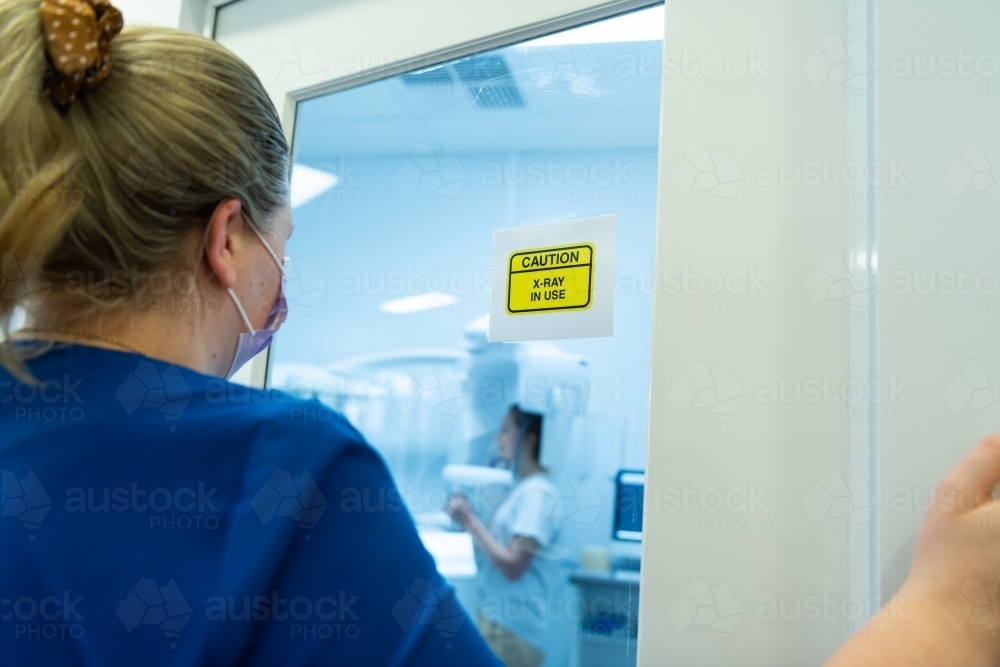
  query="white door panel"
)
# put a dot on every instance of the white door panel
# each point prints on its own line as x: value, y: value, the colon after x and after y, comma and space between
x: 864, y: 154
x: 731, y: 436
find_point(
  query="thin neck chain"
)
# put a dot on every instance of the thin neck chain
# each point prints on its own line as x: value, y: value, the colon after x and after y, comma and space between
x: 91, y: 336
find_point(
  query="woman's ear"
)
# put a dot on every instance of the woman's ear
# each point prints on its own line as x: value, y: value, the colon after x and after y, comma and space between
x: 223, y: 241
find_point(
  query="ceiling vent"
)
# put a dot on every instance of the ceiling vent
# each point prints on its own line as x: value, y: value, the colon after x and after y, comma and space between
x: 490, y: 82
x: 436, y: 89
x: 435, y: 76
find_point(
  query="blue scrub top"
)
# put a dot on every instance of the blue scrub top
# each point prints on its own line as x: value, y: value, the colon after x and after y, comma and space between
x: 153, y: 515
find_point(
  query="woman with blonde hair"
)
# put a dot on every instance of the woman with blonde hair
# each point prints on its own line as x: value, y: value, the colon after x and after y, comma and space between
x: 153, y: 513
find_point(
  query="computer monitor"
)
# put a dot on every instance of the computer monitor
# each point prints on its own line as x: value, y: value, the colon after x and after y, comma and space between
x: 628, y: 505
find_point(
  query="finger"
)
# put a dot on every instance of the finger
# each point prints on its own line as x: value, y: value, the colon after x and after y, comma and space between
x: 972, y: 480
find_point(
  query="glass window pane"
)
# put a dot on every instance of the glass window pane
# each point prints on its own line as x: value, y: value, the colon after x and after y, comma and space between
x: 398, y: 187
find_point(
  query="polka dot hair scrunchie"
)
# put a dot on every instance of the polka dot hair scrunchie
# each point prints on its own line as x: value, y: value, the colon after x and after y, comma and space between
x: 78, y: 35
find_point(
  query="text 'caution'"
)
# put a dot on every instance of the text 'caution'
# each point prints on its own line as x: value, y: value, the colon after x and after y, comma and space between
x: 550, y: 279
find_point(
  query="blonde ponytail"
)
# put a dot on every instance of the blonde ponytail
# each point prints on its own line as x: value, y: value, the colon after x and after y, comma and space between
x: 116, y: 180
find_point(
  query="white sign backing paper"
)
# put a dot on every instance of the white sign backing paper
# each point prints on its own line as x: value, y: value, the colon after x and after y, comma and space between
x: 554, y: 280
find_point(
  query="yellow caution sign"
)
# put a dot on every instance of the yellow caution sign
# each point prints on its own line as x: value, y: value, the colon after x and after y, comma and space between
x: 550, y: 279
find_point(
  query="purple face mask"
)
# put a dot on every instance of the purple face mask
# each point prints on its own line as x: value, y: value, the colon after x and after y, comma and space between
x: 252, y: 342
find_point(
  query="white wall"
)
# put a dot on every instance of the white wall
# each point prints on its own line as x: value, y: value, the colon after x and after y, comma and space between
x: 184, y: 14
x: 165, y: 13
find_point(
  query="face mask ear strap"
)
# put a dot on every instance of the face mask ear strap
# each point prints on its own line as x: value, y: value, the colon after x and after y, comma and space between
x: 281, y: 264
x: 239, y: 307
x: 232, y: 294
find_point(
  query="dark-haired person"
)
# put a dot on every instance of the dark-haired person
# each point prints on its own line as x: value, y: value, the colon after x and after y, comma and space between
x: 154, y: 513
x: 517, y: 576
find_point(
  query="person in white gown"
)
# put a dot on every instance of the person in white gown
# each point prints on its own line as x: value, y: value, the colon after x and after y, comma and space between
x: 518, y: 575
